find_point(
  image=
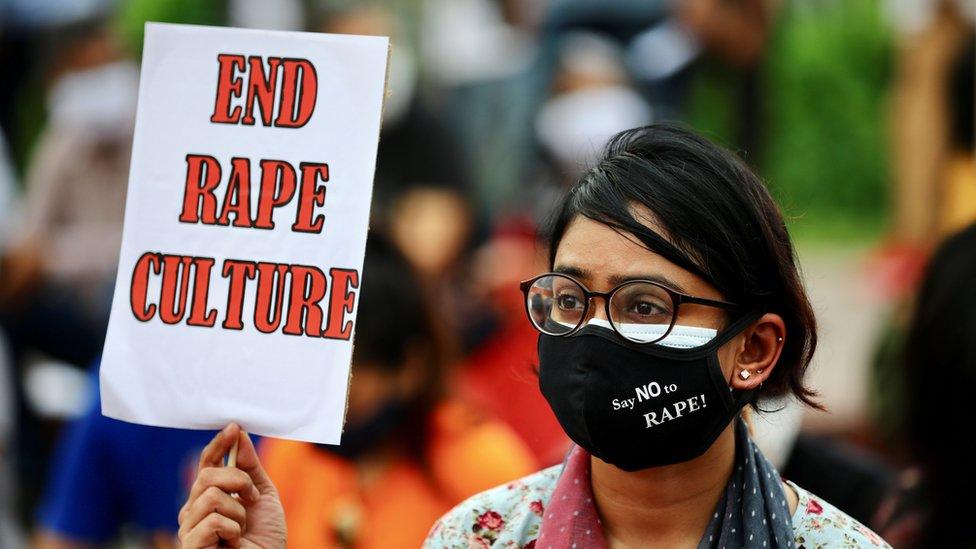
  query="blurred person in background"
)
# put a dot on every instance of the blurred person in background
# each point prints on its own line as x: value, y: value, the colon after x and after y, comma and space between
x: 592, y: 98
x: 934, y: 43
x: 956, y: 181
x: 659, y: 51
x: 726, y: 42
x: 500, y: 372
x: 421, y: 195
x: 62, y: 259
x: 958, y: 200
x: 930, y: 117
x: 934, y: 195
x: 479, y: 60
x: 59, y: 263
x: 853, y: 479
x: 27, y: 28
x: 408, y: 452
x: 417, y: 149
x: 671, y: 49
x: 938, y: 363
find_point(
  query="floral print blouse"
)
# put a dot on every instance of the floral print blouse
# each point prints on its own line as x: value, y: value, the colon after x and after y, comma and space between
x: 510, y: 517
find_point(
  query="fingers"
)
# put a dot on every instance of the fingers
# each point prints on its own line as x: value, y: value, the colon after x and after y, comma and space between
x: 210, y: 531
x: 211, y: 513
x: 213, y: 454
x: 212, y: 500
x: 248, y: 461
x: 227, y: 479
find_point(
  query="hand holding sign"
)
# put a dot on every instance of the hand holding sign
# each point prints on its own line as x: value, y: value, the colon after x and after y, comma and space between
x: 245, y: 224
x: 212, y: 516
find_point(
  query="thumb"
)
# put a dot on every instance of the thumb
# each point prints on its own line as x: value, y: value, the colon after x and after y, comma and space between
x: 248, y: 461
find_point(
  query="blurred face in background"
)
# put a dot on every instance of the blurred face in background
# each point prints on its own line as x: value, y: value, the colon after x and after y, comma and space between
x: 431, y: 227
x: 394, y: 379
x: 591, y: 100
x: 93, y: 88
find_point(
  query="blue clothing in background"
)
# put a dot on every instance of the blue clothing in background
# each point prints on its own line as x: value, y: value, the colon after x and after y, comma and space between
x: 107, y: 474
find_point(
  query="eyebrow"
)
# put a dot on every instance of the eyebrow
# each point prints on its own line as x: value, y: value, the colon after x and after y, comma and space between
x: 616, y: 280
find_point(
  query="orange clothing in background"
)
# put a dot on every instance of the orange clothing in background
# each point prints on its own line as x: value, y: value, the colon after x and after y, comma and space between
x: 326, y: 505
x: 500, y: 377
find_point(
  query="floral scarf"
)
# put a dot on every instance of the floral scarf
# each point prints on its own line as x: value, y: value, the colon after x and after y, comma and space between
x: 753, y: 512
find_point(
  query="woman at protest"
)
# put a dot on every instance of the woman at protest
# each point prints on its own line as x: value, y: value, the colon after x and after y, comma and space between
x: 407, y: 454
x: 672, y: 303
x: 925, y: 510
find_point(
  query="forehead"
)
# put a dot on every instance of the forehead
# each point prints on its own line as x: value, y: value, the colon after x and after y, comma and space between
x: 601, y: 258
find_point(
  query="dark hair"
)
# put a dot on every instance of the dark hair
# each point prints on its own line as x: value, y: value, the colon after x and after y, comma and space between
x: 940, y: 373
x: 720, y: 223
x: 395, y: 322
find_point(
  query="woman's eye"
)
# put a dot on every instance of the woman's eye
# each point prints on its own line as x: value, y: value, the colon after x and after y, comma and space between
x: 647, y: 308
x: 567, y: 302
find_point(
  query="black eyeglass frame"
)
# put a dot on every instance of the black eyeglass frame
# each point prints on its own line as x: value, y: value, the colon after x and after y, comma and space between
x: 676, y: 297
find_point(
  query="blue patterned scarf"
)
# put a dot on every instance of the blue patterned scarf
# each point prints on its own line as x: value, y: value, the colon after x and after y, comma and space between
x: 754, y: 511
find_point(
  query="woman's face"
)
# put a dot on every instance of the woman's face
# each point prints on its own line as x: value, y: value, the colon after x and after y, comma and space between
x: 601, y: 258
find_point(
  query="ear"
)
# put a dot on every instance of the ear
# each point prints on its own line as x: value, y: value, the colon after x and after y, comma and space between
x: 761, y: 344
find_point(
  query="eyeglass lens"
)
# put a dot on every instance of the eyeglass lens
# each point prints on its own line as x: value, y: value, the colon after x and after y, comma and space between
x: 639, y: 311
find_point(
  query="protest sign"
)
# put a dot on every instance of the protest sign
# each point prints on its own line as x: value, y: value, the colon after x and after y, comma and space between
x: 245, y: 225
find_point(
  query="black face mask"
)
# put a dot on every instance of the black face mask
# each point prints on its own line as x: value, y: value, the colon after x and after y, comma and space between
x: 638, y: 406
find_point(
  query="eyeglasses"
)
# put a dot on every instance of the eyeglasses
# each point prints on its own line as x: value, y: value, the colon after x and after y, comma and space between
x: 642, y: 311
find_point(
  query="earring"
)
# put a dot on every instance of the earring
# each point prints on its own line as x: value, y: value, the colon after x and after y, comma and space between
x: 744, y: 374
x: 779, y: 339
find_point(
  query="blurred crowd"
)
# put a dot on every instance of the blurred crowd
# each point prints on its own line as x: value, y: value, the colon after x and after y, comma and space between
x: 859, y: 114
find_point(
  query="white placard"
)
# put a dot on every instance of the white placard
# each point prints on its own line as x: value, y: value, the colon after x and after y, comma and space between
x: 245, y: 225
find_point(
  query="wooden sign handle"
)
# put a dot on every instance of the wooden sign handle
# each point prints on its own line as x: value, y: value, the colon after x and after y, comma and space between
x: 232, y: 456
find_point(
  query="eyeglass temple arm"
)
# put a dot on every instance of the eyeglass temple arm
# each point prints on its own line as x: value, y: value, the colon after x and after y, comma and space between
x: 526, y: 284
x: 709, y: 302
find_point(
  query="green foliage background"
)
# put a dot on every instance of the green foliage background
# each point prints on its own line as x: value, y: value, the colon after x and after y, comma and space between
x: 825, y: 80
x: 133, y: 14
